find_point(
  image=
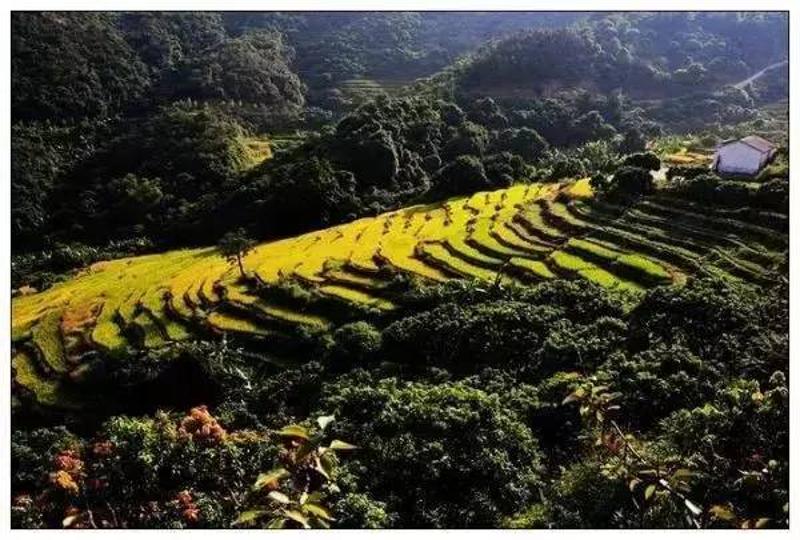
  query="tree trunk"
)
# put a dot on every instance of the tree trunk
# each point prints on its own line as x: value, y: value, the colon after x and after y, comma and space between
x: 241, y: 267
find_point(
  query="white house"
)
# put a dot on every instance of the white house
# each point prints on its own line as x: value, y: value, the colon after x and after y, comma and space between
x: 745, y: 156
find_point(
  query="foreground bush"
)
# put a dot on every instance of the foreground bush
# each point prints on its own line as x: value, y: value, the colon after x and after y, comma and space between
x: 163, y: 471
x: 444, y: 455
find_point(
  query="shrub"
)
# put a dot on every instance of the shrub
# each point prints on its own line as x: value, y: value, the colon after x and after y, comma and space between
x: 504, y: 169
x: 309, y: 192
x: 710, y: 189
x: 524, y: 142
x: 33, y: 451
x: 564, y: 166
x: 282, y: 398
x: 648, y: 161
x: 714, y: 319
x: 585, y: 497
x: 597, y: 156
x: 295, y: 494
x: 355, y: 343
x: 439, y: 455
x: 633, y: 140
x: 581, y: 301
x: 359, y: 511
x: 774, y: 195
x: 463, y: 338
x: 591, y: 126
x: 659, y: 381
x: 466, y: 139
x: 451, y: 114
x: 573, y: 346
x: 464, y: 175
x: 629, y: 183
x: 182, y: 471
x: 535, y: 517
x: 486, y: 112
x: 743, y: 462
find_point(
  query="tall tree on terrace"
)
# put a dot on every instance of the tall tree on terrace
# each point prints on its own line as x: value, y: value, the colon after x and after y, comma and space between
x: 234, y: 246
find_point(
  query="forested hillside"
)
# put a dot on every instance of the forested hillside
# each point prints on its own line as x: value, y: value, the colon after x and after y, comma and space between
x: 398, y: 269
x: 172, y: 115
x: 645, y: 55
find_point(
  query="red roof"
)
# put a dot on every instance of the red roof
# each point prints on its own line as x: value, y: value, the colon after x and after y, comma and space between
x: 762, y: 145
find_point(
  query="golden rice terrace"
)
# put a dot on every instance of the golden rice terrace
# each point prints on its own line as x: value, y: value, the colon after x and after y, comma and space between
x: 314, y: 282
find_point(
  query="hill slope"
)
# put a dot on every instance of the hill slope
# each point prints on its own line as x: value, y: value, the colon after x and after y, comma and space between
x: 526, y: 233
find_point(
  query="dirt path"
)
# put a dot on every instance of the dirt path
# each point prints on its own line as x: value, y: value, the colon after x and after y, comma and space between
x: 755, y: 76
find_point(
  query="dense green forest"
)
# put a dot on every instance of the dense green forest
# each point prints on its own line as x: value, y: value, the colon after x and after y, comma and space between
x: 548, y: 403
x: 159, y: 112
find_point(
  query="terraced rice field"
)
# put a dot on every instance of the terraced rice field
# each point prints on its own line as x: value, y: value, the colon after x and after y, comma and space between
x: 364, y: 89
x: 258, y: 150
x: 687, y: 157
x: 314, y: 282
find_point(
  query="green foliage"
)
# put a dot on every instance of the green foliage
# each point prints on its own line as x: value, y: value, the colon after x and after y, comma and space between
x: 464, y: 175
x: 524, y: 142
x: 72, y: 65
x: 633, y: 140
x: 358, y: 511
x: 660, y: 380
x: 628, y: 184
x: 748, y: 487
x: 234, y: 246
x: 279, y: 399
x: 146, y: 461
x: 710, y: 189
x: 294, y: 493
x: 645, y: 54
x: 585, y: 497
x: 572, y: 119
x: 505, y: 169
x: 723, y: 323
x: 579, y: 346
x: 159, y: 166
x: 164, y: 41
x: 251, y: 70
x: 540, y: 56
x: 356, y: 343
x: 452, y: 115
x: 562, y: 165
x: 485, y: 111
x: 41, y: 153
x: 459, y: 412
x: 375, y: 159
x: 469, y: 461
x: 32, y: 453
x: 134, y: 197
x: 131, y: 132
x: 535, y: 517
x: 648, y: 161
x: 695, y: 111
x: 310, y: 192
x: 346, y: 45
x: 468, y: 138
x: 600, y: 155
x: 462, y: 337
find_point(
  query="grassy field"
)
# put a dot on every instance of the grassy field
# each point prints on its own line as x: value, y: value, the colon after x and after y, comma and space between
x: 314, y: 282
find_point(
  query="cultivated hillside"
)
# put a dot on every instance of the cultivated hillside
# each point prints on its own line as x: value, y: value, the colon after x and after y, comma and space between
x: 314, y: 282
